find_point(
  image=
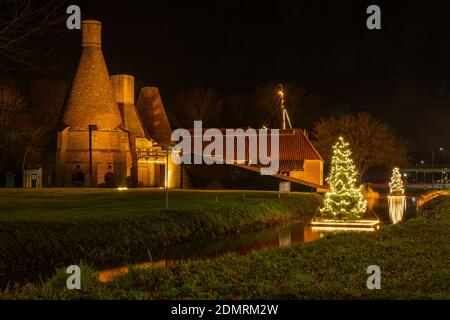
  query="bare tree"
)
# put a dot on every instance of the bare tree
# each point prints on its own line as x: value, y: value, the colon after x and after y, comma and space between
x: 23, y: 26
x: 47, y: 100
x: 371, y: 140
x: 12, y: 123
x: 197, y: 104
x: 241, y: 111
x: 12, y: 102
x: 302, y: 106
x: 25, y: 120
x: 267, y: 99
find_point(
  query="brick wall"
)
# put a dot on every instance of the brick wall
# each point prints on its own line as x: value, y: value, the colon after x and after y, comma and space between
x: 110, y: 153
x: 313, y: 172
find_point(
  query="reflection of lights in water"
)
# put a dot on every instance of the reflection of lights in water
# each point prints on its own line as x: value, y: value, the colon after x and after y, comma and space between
x: 397, y: 208
x: 284, y: 238
x: 309, y: 234
x: 314, y: 233
x: 107, y: 275
x: 371, y: 203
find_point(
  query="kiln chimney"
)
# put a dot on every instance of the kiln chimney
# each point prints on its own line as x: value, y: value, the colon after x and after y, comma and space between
x: 91, y: 100
x: 91, y: 34
x: 123, y: 88
x: 124, y: 94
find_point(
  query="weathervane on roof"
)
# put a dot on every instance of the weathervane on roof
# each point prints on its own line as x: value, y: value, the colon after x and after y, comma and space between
x: 284, y: 113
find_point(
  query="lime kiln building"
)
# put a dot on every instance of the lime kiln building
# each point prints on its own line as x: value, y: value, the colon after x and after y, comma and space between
x: 106, y: 139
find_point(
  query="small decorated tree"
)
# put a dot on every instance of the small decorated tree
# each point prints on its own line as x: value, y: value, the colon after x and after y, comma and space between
x: 396, y: 184
x: 345, y: 200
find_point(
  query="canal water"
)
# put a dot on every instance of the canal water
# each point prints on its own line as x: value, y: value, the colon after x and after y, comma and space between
x: 387, y: 211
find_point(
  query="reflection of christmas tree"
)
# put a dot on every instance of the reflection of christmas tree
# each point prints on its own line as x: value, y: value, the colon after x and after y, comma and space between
x: 396, y: 184
x: 345, y: 201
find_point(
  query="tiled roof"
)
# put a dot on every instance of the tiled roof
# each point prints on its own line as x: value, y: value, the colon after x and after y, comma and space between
x: 294, y: 147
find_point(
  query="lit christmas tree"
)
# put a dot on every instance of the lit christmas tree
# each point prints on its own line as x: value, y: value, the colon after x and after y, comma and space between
x: 396, y: 184
x: 344, y: 201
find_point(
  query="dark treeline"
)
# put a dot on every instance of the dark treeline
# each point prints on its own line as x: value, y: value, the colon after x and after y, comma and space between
x: 255, y: 108
x: 29, y: 115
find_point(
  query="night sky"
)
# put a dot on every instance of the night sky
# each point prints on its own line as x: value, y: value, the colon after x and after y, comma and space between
x: 399, y: 73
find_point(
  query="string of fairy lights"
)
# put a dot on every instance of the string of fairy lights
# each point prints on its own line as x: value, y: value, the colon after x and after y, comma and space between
x: 345, y: 200
x: 396, y: 183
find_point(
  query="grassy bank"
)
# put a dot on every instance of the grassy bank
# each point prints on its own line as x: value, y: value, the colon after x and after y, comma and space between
x: 52, y: 227
x: 413, y: 257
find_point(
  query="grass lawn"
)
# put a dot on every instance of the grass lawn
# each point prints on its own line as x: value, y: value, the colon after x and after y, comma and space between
x: 53, y: 227
x: 414, y: 257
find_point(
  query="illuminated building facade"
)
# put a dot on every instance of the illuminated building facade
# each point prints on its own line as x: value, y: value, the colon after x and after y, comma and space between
x: 107, y: 140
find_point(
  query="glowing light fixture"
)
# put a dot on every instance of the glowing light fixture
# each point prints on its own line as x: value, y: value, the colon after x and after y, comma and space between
x: 328, y: 224
x: 396, y: 184
x: 345, y: 228
x: 344, y: 206
x: 345, y: 200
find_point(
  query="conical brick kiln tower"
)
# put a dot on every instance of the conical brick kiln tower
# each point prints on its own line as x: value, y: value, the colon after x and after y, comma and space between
x: 94, y: 148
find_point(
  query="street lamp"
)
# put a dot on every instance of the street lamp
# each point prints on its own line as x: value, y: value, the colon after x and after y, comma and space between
x: 166, y: 180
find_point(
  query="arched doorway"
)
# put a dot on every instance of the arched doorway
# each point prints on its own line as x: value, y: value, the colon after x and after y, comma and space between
x: 77, y: 177
x: 109, y: 180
